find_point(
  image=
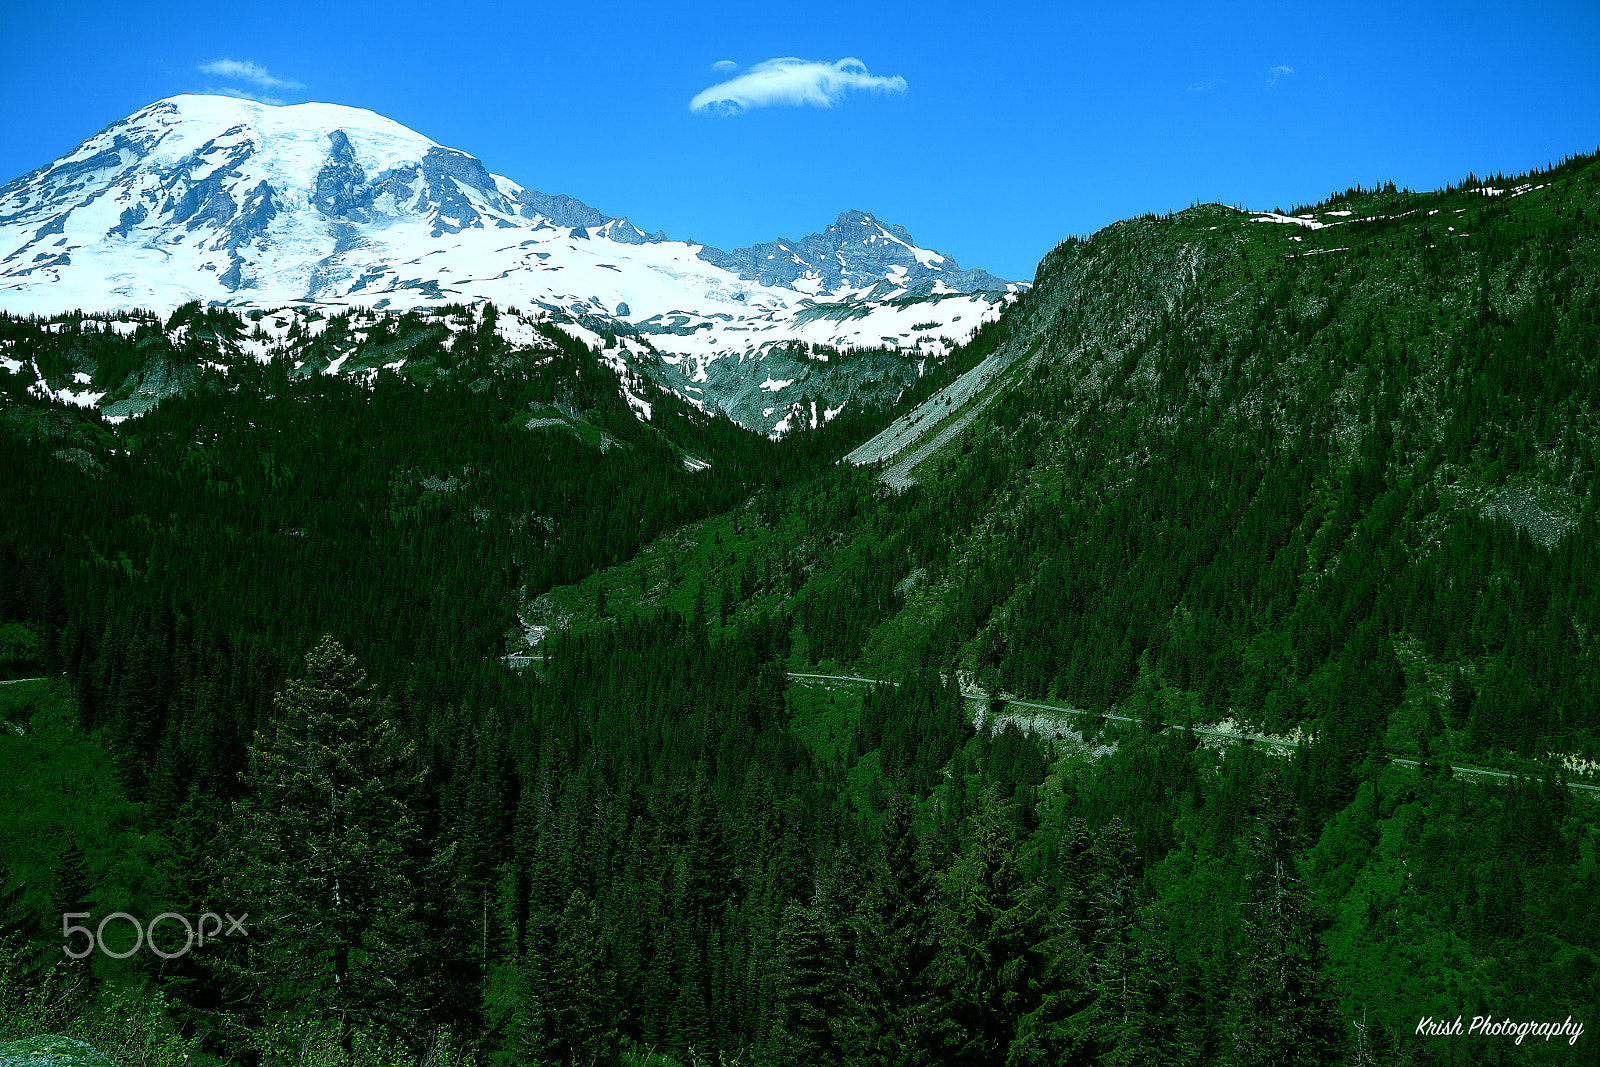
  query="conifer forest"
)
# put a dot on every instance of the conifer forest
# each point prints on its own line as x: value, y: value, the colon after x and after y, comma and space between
x: 1220, y: 685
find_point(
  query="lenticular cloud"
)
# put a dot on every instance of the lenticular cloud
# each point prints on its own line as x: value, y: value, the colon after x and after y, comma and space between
x: 246, y: 71
x: 792, y: 82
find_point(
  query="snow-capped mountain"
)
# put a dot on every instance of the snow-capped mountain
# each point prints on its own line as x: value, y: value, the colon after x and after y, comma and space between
x: 854, y: 252
x: 231, y: 202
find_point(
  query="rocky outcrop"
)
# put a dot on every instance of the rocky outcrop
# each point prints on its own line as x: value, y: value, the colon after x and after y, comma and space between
x: 341, y: 190
x: 561, y: 209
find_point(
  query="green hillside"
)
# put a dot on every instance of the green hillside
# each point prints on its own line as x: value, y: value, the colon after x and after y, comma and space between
x: 1256, y: 456
x: 1325, y: 475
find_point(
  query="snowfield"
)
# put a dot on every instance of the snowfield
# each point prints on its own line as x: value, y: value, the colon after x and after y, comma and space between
x: 233, y: 203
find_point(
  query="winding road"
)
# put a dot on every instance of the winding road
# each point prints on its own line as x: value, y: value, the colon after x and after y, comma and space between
x: 1062, y: 728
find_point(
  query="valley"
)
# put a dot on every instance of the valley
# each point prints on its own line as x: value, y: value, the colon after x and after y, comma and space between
x: 1185, y: 657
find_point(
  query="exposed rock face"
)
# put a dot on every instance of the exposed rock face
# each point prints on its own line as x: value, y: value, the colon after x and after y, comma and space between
x: 452, y: 177
x: 560, y: 209
x: 341, y: 190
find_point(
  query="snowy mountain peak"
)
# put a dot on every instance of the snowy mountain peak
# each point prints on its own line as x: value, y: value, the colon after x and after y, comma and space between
x: 231, y: 202
x: 225, y: 200
x: 856, y: 251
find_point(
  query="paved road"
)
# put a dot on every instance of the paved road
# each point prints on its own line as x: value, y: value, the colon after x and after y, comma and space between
x: 1259, y: 739
x: 841, y: 678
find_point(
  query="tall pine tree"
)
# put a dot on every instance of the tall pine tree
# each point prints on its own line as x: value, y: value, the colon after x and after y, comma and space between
x: 326, y: 847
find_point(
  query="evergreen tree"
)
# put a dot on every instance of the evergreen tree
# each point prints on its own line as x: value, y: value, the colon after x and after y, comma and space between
x: 73, y: 895
x: 811, y: 990
x: 1156, y: 1030
x: 569, y: 1009
x: 326, y: 852
x: 586, y: 1006
x: 446, y: 975
x: 1009, y: 981
x: 1283, y: 1006
x: 18, y: 929
x: 900, y: 940
x: 1112, y: 902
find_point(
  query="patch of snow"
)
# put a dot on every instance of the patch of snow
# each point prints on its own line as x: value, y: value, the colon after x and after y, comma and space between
x: 1307, y: 221
x: 637, y: 404
x: 83, y: 399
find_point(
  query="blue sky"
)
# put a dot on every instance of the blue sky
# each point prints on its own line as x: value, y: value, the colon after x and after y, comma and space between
x: 991, y: 131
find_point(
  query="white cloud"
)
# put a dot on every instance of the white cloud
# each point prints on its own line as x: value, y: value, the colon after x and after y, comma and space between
x: 240, y: 94
x: 1205, y: 86
x: 792, y: 82
x: 1277, y: 72
x: 724, y: 66
x: 247, y: 71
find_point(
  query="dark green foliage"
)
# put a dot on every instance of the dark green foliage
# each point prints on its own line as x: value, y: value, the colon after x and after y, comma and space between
x: 1009, y: 984
x: 73, y: 896
x: 1283, y: 1010
x: 569, y: 1003
x: 811, y: 990
x: 1349, y: 493
x: 326, y: 851
x: 915, y: 727
x: 899, y: 942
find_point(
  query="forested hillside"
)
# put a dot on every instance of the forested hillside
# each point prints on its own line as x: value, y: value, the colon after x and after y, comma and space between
x: 1261, y: 458
x: 1325, y: 473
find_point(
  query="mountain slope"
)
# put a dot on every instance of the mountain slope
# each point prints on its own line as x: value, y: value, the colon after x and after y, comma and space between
x: 1244, y: 457
x: 1329, y: 473
x: 230, y: 202
x: 856, y: 251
